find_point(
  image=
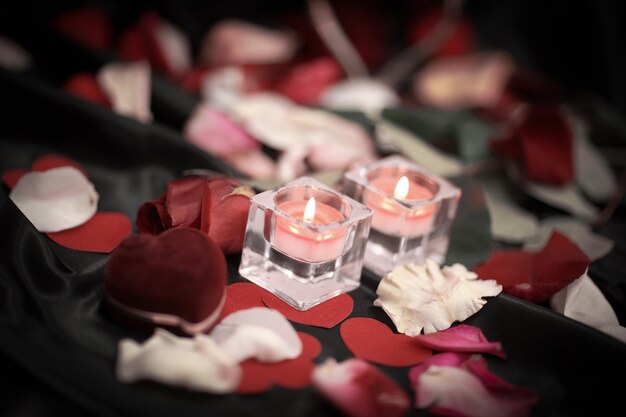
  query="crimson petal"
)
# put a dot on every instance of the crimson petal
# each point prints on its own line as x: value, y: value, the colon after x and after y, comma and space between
x: 102, y: 233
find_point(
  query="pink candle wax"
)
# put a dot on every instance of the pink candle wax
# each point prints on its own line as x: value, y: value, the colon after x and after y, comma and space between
x: 392, y: 218
x: 302, y: 241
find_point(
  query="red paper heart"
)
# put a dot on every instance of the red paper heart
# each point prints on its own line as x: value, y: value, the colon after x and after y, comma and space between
x: 295, y: 373
x: 327, y: 315
x: 372, y: 340
x: 242, y: 295
x: 536, y: 277
x: 181, y: 273
x: 102, y: 233
x: 12, y: 176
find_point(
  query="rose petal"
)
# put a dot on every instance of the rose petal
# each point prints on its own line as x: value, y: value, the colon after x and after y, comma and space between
x: 567, y: 198
x: 236, y: 42
x: 230, y: 203
x: 102, y: 233
x: 258, y: 333
x: 12, y: 176
x: 363, y: 94
x: 89, y: 25
x: 46, y: 162
x: 254, y: 163
x: 371, y: 340
x: 174, y: 45
x: 128, y: 87
x: 359, y: 389
x: 425, y: 297
x: 461, y: 385
x: 13, y: 57
x: 536, y: 276
x: 295, y: 373
x: 327, y: 315
x: 194, y: 363
x: 305, y: 82
x: 55, y: 200
x: 85, y: 85
x: 461, y: 338
x: 460, y: 39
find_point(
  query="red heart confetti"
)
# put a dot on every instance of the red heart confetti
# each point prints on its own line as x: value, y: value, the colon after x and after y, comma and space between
x: 88, y: 25
x: 372, y: 340
x: 327, y: 315
x: 102, y: 233
x: 294, y: 373
x: 536, y: 277
x: 85, y: 86
x: 12, y: 176
x: 241, y: 296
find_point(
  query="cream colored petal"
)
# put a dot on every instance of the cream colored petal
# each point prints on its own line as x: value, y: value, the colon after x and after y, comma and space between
x: 194, y: 363
x: 56, y: 199
x: 427, y: 298
x: 128, y: 87
x: 364, y: 94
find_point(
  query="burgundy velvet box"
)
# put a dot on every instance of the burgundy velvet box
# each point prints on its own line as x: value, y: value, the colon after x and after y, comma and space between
x: 175, y: 280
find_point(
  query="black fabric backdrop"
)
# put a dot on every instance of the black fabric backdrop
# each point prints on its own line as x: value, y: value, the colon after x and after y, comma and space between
x: 57, y: 347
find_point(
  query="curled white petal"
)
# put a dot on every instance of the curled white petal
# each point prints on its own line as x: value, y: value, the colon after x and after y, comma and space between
x: 128, y: 87
x: 56, y: 199
x: 258, y: 333
x: 426, y: 297
x: 363, y: 94
x: 196, y: 363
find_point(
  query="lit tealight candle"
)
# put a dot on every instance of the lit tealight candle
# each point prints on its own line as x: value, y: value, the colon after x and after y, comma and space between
x: 390, y: 216
x: 303, y: 242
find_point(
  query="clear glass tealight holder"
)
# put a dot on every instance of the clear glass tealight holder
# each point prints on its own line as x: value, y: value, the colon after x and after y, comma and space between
x: 305, y: 242
x: 412, y: 215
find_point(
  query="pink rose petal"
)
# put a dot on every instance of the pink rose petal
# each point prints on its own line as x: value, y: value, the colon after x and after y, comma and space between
x: 461, y: 338
x: 459, y: 385
x: 359, y: 389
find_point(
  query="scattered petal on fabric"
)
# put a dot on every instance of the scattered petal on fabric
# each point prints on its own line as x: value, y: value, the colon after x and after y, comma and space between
x: 223, y: 87
x: 128, y: 87
x: 469, y: 81
x: 85, y: 85
x: 56, y: 199
x: 189, y: 292
x: 426, y: 297
x: 327, y: 315
x: 305, y: 82
x: 593, y: 172
x: 12, y: 56
x: 509, y: 222
x: 468, y: 389
x: 254, y: 163
x: 418, y: 150
x: 541, y: 138
x: 364, y: 94
x: 460, y: 40
x: 214, y: 132
x: 536, y: 276
x: 359, y: 389
x: 49, y: 161
x: 326, y: 141
x: 461, y: 338
x: 12, y: 176
x: 102, y: 233
x: 582, y: 300
x: 175, y: 47
x: 294, y: 374
x: 258, y: 333
x: 567, y: 198
x: 595, y: 246
x: 88, y: 24
x: 372, y: 340
x: 196, y: 363
x: 236, y: 42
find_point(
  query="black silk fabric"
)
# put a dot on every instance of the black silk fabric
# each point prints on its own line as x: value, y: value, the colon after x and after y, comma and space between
x: 53, y: 327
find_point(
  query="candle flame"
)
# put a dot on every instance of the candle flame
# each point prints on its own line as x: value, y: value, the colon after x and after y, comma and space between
x: 402, y: 188
x: 309, y: 211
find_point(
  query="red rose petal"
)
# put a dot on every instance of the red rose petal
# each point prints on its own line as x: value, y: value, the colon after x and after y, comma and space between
x: 295, y: 373
x: 305, y: 82
x: 327, y: 315
x: 461, y: 338
x: 535, y: 277
x: 372, y: 340
x: 88, y: 24
x: 102, y: 233
x: 86, y: 86
x: 460, y: 39
x: 242, y: 295
x: 12, y: 176
x: 228, y: 214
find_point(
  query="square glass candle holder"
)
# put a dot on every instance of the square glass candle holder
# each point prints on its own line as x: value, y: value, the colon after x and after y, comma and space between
x: 305, y: 256
x: 412, y: 217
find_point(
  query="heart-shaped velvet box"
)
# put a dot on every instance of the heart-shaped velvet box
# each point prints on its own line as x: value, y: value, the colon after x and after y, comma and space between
x: 175, y: 280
